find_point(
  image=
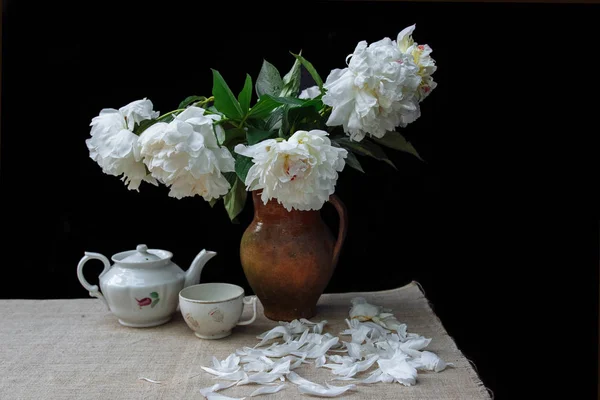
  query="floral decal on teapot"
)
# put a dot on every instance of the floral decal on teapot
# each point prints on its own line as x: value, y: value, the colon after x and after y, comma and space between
x: 148, y: 301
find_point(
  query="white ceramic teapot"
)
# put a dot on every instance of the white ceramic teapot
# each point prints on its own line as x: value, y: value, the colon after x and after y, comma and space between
x: 142, y: 287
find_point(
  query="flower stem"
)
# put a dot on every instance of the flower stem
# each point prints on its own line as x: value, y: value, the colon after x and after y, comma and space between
x: 169, y: 113
x: 325, y: 110
x: 204, y: 102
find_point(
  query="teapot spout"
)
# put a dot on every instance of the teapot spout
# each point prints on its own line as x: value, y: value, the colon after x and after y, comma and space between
x: 192, y: 275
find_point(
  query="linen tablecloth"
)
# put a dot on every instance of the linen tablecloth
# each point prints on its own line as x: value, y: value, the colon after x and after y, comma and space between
x: 76, y: 349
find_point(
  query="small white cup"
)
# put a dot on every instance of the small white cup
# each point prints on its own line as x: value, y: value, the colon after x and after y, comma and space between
x: 212, y: 310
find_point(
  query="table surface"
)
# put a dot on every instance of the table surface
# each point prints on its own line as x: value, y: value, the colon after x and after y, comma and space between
x: 71, y: 349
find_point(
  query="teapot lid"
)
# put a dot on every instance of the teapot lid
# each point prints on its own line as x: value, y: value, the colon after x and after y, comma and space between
x: 141, y: 255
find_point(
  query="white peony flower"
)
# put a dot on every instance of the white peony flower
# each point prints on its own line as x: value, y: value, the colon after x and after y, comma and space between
x: 114, y: 146
x: 421, y: 56
x: 300, y: 173
x: 184, y: 154
x: 375, y: 93
x: 310, y: 93
x: 137, y: 111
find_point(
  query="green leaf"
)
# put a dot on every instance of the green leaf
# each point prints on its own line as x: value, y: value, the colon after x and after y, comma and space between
x: 303, y: 118
x: 256, y: 135
x: 286, y: 100
x: 231, y: 177
x: 311, y: 70
x: 225, y: 101
x: 242, y: 165
x: 291, y: 81
x: 189, y: 100
x: 395, y: 140
x: 212, y: 202
x: 145, y: 124
x: 263, y: 108
x: 154, y: 303
x: 352, y: 161
x: 235, y: 200
x: 246, y: 95
x: 234, y: 136
x: 268, y: 103
x: 269, y: 80
x: 316, y: 103
x: 154, y: 295
x: 274, y: 118
x: 285, y: 122
x: 365, y: 148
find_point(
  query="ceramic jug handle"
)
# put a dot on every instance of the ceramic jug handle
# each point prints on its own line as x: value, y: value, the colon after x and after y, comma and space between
x: 341, y: 209
x: 250, y: 300
x: 93, y: 289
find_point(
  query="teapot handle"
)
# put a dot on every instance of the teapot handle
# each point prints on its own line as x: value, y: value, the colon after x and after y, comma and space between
x: 341, y: 209
x: 93, y: 289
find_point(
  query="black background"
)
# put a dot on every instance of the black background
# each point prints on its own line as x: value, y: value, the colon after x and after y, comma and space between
x: 499, y: 226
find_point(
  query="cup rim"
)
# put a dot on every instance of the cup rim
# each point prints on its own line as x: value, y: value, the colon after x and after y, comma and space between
x: 183, y: 297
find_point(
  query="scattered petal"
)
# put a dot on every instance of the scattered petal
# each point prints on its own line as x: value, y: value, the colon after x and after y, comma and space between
x: 321, y: 349
x: 353, y: 350
x: 377, y: 376
x: 278, y: 331
x: 149, y: 380
x: 330, y: 391
x: 255, y: 366
x: 234, y: 376
x: 319, y: 362
x: 363, y: 311
x: 216, y: 396
x: 429, y: 361
x: 230, y: 364
x: 216, y: 387
x: 266, y: 390
x: 399, y: 368
x: 298, y: 380
x: 220, y: 373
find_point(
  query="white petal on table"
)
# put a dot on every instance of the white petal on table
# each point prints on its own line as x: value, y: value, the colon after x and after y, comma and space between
x: 298, y: 380
x: 266, y: 390
x: 318, y: 327
x: 429, y: 361
x: 149, y: 380
x: 274, y: 333
x: 351, y: 369
x: 340, y: 359
x: 255, y: 366
x: 297, y: 363
x: 234, y: 376
x: 378, y: 330
x: 319, y: 362
x: 219, y: 373
x: 377, y: 376
x: 216, y: 387
x: 279, y: 369
x: 415, y: 343
x: 400, y: 369
x: 322, y: 348
x: 353, y: 350
x: 330, y: 391
x: 217, y: 396
x: 230, y: 364
x: 362, y: 310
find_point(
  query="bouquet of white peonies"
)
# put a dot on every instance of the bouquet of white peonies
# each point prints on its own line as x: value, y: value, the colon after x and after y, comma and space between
x: 290, y: 144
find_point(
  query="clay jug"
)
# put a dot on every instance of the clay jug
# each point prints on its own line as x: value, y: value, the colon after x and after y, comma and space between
x: 289, y: 257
